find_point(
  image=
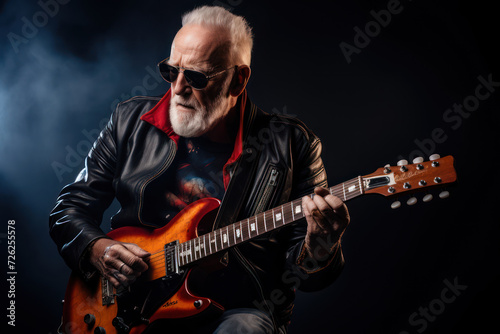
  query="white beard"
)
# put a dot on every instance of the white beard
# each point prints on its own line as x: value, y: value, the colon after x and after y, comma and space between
x: 200, y: 119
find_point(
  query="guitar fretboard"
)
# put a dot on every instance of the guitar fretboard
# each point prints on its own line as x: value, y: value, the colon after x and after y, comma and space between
x: 244, y: 230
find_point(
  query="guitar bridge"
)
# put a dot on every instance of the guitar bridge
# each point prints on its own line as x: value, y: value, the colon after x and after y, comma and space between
x: 172, y: 260
x: 107, y: 292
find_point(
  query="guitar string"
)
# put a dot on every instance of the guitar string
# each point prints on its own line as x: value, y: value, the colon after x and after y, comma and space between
x: 159, y: 255
x: 337, y: 190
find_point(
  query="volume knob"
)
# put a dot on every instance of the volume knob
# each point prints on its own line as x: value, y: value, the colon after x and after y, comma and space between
x: 89, y: 319
x: 99, y: 330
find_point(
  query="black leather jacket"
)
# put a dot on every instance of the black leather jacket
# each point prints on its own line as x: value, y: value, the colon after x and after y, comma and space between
x: 277, y: 160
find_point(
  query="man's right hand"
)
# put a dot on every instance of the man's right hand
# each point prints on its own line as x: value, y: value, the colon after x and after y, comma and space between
x: 121, y: 263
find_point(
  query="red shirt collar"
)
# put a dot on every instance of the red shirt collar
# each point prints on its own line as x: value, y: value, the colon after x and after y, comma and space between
x: 159, y: 117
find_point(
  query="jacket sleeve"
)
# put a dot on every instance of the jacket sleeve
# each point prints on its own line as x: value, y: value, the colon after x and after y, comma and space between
x: 74, y: 221
x: 308, y: 173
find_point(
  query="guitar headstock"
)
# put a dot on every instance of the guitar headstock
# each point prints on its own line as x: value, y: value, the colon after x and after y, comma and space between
x: 404, y: 178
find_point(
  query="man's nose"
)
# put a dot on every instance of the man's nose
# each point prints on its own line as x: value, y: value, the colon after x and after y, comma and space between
x: 180, y: 85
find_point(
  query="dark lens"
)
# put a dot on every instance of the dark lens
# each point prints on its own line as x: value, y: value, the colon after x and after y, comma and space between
x: 169, y: 73
x: 196, y: 79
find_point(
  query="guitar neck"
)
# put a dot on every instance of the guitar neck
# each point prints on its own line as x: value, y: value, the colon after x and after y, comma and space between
x: 244, y: 230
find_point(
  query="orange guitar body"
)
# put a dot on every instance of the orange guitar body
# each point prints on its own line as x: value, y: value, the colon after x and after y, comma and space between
x: 84, y: 309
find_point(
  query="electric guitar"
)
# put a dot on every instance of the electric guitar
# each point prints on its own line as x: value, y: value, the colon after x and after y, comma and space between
x: 163, y: 291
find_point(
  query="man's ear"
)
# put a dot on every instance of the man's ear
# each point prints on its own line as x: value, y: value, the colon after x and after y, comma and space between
x: 240, y: 80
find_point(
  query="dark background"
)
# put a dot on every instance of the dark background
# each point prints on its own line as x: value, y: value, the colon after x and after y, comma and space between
x: 59, y: 83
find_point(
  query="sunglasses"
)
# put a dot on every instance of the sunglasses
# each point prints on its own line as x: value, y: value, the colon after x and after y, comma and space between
x: 197, y: 80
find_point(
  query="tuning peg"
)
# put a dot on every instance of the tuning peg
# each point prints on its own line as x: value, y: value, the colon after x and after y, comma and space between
x: 395, y: 204
x: 444, y: 194
x: 434, y: 157
x: 427, y: 198
x: 418, y: 160
x: 411, y: 201
x: 402, y: 162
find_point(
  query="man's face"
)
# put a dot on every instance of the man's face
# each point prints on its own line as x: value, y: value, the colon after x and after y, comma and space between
x: 194, y: 112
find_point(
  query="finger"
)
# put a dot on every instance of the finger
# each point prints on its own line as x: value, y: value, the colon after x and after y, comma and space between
x: 325, y: 208
x: 134, y: 257
x: 120, y: 278
x: 339, y: 208
x: 116, y: 283
x: 137, y: 250
x: 315, y: 220
x: 321, y: 191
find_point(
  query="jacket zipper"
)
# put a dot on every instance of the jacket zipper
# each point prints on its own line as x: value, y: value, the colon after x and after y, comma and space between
x: 167, y: 163
x: 268, y: 191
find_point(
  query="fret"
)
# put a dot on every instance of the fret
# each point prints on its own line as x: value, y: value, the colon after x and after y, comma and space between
x: 204, y: 245
x: 189, y: 252
x: 268, y: 216
x: 234, y: 233
x: 293, y: 214
x: 184, y: 252
x: 298, y: 209
x: 198, y: 241
x: 193, y: 249
x: 265, y: 224
x: 179, y: 259
x: 209, y: 243
x: 343, y: 188
x: 283, y: 215
x: 214, y: 240
x: 274, y: 218
x: 248, y: 223
x: 192, y: 242
x: 221, y: 240
x: 360, y: 186
x: 179, y: 254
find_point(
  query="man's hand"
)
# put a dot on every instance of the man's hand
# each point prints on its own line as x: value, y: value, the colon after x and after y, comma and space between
x: 121, y: 263
x: 327, y: 217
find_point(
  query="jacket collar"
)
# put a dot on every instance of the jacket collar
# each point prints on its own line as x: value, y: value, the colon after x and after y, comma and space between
x: 159, y: 118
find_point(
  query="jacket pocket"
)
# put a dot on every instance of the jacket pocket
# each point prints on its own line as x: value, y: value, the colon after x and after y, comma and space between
x: 271, y: 183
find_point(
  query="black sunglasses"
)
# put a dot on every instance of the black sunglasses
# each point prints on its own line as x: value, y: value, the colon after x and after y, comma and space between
x: 195, y: 79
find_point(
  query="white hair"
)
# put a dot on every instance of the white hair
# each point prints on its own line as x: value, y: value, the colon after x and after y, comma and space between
x: 237, y: 27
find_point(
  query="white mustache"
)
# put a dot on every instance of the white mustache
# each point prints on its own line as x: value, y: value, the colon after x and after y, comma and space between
x: 187, y: 103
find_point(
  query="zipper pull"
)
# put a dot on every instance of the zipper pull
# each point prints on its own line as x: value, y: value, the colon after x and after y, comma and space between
x: 274, y: 176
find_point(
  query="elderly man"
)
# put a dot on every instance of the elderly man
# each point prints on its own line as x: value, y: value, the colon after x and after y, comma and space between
x: 205, y: 138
